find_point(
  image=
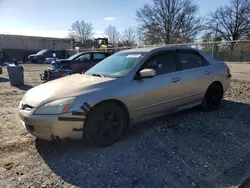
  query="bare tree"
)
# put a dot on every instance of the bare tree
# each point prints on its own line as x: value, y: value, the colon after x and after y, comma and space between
x: 129, y: 36
x: 169, y: 21
x: 231, y: 22
x: 139, y: 37
x: 112, y: 34
x: 208, y: 37
x: 81, y: 31
x: 71, y: 35
x: 150, y: 36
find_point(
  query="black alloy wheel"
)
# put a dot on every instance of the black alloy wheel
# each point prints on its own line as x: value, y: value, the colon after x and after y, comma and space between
x: 213, y: 97
x: 105, y: 124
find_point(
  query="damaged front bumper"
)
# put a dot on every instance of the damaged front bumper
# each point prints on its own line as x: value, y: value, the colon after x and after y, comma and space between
x: 53, y: 127
x: 54, y: 74
x: 48, y: 75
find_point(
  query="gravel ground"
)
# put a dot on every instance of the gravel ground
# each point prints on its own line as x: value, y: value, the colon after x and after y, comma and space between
x: 185, y: 149
x: 240, y: 70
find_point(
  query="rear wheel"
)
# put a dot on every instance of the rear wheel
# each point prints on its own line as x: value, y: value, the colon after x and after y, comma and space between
x: 105, y: 124
x: 213, y: 97
x: 40, y: 61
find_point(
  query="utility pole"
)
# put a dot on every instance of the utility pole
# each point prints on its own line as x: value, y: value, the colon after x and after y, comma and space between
x: 214, y: 40
x: 216, y: 31
x: 139, y: 39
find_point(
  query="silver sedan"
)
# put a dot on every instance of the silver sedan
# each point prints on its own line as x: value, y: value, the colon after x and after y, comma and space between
x: 125, y: 88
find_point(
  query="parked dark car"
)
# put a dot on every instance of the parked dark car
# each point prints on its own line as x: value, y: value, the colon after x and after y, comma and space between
x: 82, y: 61
x: 40, y: 56
x: 1, y: 70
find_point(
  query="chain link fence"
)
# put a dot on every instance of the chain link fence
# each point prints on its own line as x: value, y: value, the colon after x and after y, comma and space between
x: 229, y: 51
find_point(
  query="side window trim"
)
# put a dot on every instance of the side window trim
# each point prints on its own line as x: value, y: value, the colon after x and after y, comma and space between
x: 202, y: 58
x: 204, y: 61
x: 178, y: 65
x: 91, y: 56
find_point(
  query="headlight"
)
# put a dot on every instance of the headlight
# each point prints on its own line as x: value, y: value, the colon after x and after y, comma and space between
x: 20, y: 104
x: 56, y: 107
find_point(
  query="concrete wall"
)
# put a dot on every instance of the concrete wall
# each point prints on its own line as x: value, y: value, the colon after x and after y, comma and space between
x: 34, y: 43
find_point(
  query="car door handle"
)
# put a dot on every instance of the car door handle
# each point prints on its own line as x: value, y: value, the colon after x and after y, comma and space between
x: 174, y: 80
x: 207, y: 72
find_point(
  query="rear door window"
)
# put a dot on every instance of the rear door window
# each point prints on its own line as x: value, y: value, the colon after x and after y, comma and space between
x: 98, y: 56
x: 191, y: 60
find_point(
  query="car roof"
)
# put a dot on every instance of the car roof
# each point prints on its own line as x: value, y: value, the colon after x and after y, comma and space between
x: 158, y: 49
x: 100, y: 52
x: 93, y: 52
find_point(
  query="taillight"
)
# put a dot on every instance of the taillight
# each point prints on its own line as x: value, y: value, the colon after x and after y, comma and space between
x: 228, y: 73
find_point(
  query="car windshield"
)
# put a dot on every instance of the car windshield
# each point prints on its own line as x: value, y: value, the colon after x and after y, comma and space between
x: 117, y: 65
x: 41, y: 52
x: 74, y: 56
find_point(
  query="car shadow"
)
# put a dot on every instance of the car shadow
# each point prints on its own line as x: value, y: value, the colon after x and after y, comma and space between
x: 184, y: 149
x: 3, y: 79
x: 24, y: 87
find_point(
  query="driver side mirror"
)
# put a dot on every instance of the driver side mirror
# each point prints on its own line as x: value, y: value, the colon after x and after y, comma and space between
x: 147, y: 73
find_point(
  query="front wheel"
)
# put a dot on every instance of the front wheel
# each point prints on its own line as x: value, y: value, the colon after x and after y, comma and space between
x: 212, y: 98
x: 105, y: 124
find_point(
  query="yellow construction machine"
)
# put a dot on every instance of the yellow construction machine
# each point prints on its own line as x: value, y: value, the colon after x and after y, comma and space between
x: 101, y: 44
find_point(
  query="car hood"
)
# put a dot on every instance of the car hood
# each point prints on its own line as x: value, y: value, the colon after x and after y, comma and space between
x: 74, y: 85
x: 32, y: 55
x: 35, y: 55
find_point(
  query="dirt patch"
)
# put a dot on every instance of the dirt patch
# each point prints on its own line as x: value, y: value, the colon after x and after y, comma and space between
x: 240, y: 71
x: 185, y: 149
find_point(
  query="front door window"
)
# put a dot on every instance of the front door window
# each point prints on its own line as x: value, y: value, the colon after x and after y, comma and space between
x: 84, y: 57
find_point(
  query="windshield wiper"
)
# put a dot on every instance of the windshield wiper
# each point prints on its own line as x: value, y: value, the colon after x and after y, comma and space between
x: 97, y: 74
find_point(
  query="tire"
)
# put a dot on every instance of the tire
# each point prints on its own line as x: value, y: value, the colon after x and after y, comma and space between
x: 105, y: 124
x: 212, y: 98
x: 40, y: 61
